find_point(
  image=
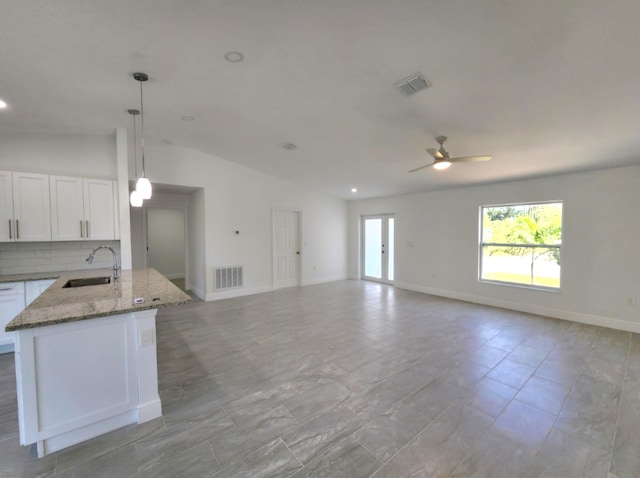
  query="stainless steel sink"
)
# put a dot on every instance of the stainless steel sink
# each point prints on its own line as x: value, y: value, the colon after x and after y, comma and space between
x: 85, y: 281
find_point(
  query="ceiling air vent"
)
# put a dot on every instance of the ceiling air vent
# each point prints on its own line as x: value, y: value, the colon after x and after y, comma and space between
x: 414, y: 83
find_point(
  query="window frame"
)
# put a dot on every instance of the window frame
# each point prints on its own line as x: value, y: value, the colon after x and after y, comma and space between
x: 482, y: 244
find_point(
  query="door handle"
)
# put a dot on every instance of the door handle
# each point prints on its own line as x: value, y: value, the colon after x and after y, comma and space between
x: 81, y: 232
x: 298, y: 252
x: 17, y: 230
x: 87, y: 229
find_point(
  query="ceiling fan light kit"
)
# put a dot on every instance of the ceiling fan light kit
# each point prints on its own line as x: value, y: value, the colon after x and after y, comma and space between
x: 441, y: 164
x: 442, y: 160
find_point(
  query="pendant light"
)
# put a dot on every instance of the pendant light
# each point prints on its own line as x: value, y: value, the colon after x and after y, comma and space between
x: 143, y: 185
x: 135, y: 199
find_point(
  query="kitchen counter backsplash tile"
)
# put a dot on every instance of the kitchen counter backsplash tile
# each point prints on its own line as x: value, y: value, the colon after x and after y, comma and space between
x: 29, y: 257
x: 58, y: 305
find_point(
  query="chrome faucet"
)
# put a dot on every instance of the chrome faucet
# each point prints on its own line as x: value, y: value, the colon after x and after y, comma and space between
x: 116, y: 268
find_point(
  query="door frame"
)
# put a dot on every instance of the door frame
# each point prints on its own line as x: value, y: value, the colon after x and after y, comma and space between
x: 385, y: 228
x: 274, y: 254
x: 145, y: 240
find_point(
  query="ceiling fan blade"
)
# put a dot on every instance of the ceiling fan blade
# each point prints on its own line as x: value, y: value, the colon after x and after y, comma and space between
x: 435, y: 153
x: 470, y: 159
x: 421, y: 167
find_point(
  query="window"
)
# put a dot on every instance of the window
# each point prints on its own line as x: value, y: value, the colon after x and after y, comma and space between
x: 521, y: 243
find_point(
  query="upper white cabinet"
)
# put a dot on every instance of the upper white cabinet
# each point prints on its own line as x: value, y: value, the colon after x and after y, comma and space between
x: 6, y: 206
x: 82, y: 209
x: 24, y: 207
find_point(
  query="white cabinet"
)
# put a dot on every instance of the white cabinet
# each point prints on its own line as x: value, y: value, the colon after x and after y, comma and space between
x: 6, y: 206
x: 11, y: 304
x: 82, y: 209
x: 33, y: 288
x: 24, y: 207
x: 99, y: 211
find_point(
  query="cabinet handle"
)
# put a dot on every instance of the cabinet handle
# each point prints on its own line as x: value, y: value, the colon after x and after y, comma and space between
x: 17, y: 230
x: 6, y: 288
x: 81, y: 233
x: 87, y: 229
x: 10, y: 235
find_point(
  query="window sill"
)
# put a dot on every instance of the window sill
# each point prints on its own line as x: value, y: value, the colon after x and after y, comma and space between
x: 521, y: 286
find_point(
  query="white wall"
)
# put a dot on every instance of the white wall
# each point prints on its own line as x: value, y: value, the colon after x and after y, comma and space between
x: 195, y: 279
x: 238, y: 198
x: 600, y: 253
x: 61, y: 154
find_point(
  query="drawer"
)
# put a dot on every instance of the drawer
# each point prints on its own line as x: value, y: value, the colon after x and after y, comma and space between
x: 11, y: 288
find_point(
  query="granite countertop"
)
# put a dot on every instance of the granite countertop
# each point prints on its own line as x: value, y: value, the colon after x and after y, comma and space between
x: 58, y: 305
x: 30, y: 276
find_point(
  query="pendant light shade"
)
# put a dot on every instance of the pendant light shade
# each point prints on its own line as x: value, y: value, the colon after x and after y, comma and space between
x: 143, y: 188
x: 143, y: 185
x: 135, y: 199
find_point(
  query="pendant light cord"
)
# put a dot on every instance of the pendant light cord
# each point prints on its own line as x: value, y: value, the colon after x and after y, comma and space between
x: 135, y: 147
x: 142, y: 129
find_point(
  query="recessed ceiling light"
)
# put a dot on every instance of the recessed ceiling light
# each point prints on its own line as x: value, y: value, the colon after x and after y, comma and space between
x: 354, y: 190
x: 2, y: 104
x: 188, y: 118
x: 234, y: 56
x: 288, y: 146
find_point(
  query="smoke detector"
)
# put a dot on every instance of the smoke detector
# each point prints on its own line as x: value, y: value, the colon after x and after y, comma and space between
x: 288, y: 146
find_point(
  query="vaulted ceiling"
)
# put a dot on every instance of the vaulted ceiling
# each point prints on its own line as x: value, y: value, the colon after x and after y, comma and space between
x: 544, y: 86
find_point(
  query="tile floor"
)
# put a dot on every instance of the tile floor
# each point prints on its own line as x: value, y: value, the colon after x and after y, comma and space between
x: 355, y: 379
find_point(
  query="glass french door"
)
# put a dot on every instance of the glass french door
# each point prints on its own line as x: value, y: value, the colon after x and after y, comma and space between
x: 378, y: 248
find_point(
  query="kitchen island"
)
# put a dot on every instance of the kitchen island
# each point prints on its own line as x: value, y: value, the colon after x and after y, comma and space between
x: 85, y: 356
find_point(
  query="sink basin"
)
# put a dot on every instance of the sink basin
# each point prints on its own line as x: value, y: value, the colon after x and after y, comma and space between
x: 85, y: 281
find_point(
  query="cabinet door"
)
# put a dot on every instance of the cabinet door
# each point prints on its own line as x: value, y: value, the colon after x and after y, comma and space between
x: 11, y: 304
x: 67, y: 213
x: 7, y: 223
x: 31, y: 207
x: 98, y: 209
x: 33, y: 289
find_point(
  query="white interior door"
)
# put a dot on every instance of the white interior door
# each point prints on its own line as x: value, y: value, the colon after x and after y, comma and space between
x: 378, y: 248
x: 166, y: 241
x: 286, y: 242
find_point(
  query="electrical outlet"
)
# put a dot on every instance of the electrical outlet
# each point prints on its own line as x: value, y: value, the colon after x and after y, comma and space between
x: 146, y: 337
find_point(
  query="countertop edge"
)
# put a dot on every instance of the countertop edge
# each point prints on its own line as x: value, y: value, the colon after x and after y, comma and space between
x: 66, y: 320
x: 50, y: 308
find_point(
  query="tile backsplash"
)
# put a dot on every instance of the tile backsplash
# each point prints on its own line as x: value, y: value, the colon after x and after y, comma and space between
x: 25, y: 257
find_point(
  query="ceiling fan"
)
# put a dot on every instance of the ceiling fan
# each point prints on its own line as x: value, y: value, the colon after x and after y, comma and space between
x: 442, y: 159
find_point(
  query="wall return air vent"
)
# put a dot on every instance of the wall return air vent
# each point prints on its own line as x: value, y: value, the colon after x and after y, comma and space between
x: 228, y: 277
x: 412, y: 84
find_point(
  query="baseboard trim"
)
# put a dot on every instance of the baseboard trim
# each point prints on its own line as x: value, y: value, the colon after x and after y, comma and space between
x: 150, y: 410
x: 579, y: 317
x: 323, y: 280
x: 228, y: 294
x: 174, y: 276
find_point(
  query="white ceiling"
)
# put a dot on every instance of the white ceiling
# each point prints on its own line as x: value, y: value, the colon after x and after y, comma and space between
x: 544, y: 86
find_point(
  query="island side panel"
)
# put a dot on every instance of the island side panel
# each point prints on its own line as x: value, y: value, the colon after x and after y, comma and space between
x: 82, y: 379
x: 149, y: 405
